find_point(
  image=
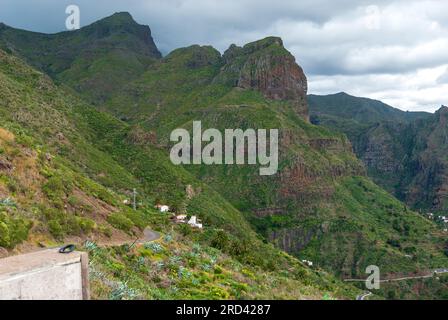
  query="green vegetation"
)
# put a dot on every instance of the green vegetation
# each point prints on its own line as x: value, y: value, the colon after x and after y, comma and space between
x: 68, y: 166
x: 177, y: 267
x: 64, y: 182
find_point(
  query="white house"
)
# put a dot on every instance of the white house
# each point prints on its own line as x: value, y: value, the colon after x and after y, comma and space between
x: 163, y: 208
x: 194, y: 222
x: 181, y: 218
x: 308, y: 263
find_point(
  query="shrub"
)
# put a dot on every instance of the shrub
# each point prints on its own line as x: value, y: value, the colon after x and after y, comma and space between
x: 138, y: 218
x: 54, y: 188
x: 55, y: 229
x: 13, y: 230
x: 5, y: 240
x: 19, y: 230
x: 120, y: 221
x: 107, y: 231
x: 185, y: 229
x: 73, y: 201
x: 220, y: 240
x: 86, y: 225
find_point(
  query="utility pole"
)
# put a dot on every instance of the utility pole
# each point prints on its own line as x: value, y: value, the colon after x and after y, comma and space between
x: 134, y: 204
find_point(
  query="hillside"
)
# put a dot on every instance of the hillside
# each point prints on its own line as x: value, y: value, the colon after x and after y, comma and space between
x: 320, y: 206
x: 57, y: 185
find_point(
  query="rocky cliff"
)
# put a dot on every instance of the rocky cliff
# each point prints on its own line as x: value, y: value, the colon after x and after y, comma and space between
x: 265, y: 65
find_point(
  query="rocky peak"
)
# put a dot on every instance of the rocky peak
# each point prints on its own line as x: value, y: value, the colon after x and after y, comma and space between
x: 443, y: 109
x: 124, y: 24
x: 233, y: 52
x: 262, y: 44
x: 195, y: 56
x: 120, y: 17
x: 265, y: 65
x: 442, y: 115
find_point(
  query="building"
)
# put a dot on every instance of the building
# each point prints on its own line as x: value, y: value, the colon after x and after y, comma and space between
x: 308, y: 263
x: 163, y: 208
x: 194, y: 222
x: 182, y: 218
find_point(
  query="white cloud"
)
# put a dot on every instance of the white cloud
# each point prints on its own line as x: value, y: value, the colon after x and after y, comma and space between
x: 443, y: 78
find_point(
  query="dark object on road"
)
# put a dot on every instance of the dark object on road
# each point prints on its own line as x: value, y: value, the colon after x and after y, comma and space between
x: 67, y: 249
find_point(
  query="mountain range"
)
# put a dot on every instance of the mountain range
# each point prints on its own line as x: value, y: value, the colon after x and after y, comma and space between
x: 86, y: 117
x: 404, y: 152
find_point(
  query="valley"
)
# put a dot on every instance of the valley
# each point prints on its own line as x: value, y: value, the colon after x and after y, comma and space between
x: 86, y: 117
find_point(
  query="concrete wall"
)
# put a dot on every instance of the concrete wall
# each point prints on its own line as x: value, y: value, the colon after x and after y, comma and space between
x: 45, y: 275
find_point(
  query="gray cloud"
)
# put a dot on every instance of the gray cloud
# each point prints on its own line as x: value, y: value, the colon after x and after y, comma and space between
x: 393, y: 50
x: 443, y: 79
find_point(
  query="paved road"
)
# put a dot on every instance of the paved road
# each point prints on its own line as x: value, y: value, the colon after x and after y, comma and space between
x: 363, y: 296
x: 150, y: 235
x: 434, y: 272
x: 439, y: 271
x: 366, y: 294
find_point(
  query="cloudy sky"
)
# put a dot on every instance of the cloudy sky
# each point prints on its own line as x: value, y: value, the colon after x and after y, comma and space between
x: 392, y: 50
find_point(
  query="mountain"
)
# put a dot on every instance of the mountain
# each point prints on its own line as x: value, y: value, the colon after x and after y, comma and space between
x: 362, y: 110
x: 403, y: 151
x: 320, y: 206
x: 116, y: 47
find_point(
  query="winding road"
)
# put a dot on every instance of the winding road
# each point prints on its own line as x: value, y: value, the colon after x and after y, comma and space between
x: 364, y: 295
x: 367, y: 293
x: 150, y: 235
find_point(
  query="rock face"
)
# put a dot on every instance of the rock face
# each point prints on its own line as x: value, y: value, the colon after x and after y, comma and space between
x: 293, y: 240
x: 428, y: 168
x: 266, y: 66
x: 378, y: 150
